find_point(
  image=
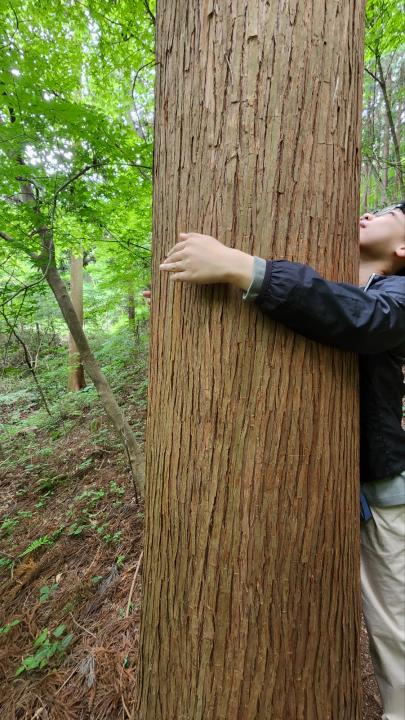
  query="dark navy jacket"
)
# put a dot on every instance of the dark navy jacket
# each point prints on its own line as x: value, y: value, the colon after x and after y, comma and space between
x: 368, y: 321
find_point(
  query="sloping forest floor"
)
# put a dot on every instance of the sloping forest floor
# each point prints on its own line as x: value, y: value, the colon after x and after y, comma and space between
x: 70, y: 551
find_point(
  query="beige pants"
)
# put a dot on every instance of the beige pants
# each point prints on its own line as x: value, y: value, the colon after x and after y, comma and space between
x: 383, y: 592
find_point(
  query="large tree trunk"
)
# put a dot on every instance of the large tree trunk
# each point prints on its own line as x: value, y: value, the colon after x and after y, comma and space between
x: 76, y: 379
x: 251, y: 578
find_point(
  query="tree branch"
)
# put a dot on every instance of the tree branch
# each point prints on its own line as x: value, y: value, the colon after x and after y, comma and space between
x: 149, y: 11
x: 78, y: 174
x: 6, y: 237
x: 152, y: 62
x: 27, y: 360
x: 372, y: 75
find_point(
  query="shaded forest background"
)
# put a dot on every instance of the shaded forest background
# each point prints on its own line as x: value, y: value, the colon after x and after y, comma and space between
x: 76, y: 152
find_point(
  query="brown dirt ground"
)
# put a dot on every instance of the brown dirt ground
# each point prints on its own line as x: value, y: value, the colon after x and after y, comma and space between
x: 95, y: 679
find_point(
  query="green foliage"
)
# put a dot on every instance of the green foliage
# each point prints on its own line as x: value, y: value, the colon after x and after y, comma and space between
x: 7, y: 563
x: 48, y: 539
x: 49, y: 485
x: 383, y: 167
x: 45, y: 592
x: 8, y: 526
x: 10, y: 625
x: 47, y: 649
x: 385, y: 27
x: 76, y: 121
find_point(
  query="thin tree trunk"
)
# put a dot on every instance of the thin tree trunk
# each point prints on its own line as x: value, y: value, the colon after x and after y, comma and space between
x: 76, y: 379
x: 366, y: 183
x: 399, y: 120
x: 386, y: 156
x: 114, y: 413
x: 251, y: 602
x: 2, y: 453
x: 131, y: 303
x: 107, y: 399
x: 379, y: 184
x: 28, y: 360
x: 397, y: 151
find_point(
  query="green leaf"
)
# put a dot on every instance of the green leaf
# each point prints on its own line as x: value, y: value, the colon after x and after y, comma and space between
x: 59, y: 630
x: 41, y: 638
x: 66, y: 641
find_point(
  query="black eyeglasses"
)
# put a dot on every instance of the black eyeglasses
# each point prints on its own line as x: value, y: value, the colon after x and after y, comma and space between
x: 389, y: 208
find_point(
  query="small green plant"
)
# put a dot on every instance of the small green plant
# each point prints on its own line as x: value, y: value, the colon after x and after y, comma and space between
x: 117, y: 537
x: 85, y: 464
x: 120, y: 561
x: 45, y: 592
x: 102, y: 527
x: 63, y: 430
x: 46, y: 649
x: 114, y: 488
x: 97, y: 578
x: 48, y: 485
x: 10, y: 625
x: 24, y: 514
x: 92, y: 495
x: 8, y: 526
x: 45, y: 540
x: 77, y: 529
x: 7, y: 563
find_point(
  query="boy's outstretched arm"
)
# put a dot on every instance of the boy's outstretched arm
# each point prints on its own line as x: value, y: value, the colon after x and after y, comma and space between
x: 332, y: 313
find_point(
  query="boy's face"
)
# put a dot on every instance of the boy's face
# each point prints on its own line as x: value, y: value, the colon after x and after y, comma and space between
x: 381, y: 236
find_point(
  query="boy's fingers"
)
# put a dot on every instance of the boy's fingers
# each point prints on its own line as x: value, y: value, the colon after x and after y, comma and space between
x: 171, y: 267
x: 174, y: 257
x: 179, y: 276
x: 175, y: 248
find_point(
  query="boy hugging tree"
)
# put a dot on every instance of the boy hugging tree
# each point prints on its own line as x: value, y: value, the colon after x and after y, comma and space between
x: 370, y: 320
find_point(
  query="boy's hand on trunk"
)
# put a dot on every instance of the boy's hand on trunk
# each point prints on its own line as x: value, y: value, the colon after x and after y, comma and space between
x: 203, y: 260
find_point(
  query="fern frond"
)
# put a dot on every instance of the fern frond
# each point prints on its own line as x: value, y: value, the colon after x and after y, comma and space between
x: 44, y: 540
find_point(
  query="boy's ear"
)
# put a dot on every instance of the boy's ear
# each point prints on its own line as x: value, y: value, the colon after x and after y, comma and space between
x: 400, y: 251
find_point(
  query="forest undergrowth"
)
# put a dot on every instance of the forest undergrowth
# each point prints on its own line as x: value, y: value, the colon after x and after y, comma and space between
x: 71, y: 545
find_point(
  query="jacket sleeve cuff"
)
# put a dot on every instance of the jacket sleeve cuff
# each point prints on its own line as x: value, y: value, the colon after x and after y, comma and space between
x: 266, y: 281
x: 259, y: 272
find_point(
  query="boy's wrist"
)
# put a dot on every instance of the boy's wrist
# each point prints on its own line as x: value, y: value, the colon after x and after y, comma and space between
x: 240, y: 270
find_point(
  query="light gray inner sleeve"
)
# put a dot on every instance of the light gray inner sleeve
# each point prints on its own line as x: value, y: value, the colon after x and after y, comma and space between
x: 386, y: 493
x: 259, y: 270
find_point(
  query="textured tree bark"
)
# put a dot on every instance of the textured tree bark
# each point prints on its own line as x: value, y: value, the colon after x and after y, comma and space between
x: 76, y: 379
x: 251, y: 577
